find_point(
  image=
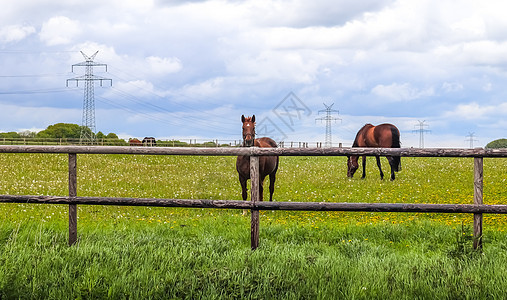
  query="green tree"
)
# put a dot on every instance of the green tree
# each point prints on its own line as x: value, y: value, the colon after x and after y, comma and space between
x: 28, y: 134
x: 500, y: 143
x: 61, y: 130
x: 112, y: 136
x: 9, y: 135
x: 100, y: 135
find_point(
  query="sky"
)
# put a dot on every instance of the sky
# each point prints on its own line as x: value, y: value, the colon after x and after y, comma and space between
x: 189, y: 69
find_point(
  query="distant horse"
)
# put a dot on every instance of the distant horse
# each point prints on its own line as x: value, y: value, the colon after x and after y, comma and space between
x: 149, y: 142
x: 381, y: 136
x: 135, y: 142
x: 268, y: 165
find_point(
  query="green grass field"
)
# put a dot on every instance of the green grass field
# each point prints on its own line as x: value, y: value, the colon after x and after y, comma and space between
x: 141, y: 252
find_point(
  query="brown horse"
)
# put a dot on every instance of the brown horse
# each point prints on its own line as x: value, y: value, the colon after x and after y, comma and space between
x: 268, y: 165
x: 381, y: 136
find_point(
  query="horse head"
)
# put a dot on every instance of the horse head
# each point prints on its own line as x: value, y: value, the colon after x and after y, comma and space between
x: 248, y: 130
x: 352, y: 165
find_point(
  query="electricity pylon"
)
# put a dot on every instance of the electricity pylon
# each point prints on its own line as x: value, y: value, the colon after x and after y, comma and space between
x: 88, y: 122
x: 328, y: 118
x: 421, y: 131
x: 471, y: 138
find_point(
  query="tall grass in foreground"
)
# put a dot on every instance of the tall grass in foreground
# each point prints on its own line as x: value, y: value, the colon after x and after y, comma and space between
x: 212, y: 261
x: 136, y: 252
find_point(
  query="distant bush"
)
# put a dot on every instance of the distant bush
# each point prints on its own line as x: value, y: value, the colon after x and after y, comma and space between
x: 500, y: 143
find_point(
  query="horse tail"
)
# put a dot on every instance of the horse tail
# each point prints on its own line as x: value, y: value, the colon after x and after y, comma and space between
x: 395, y: 133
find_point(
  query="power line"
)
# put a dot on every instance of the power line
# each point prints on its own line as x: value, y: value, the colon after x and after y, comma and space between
x: 30, y: 92
x: 188, y: 121
x: 328, y: 118
x: 180, y: 122
x: 175, y: 103
x: 33, y: 75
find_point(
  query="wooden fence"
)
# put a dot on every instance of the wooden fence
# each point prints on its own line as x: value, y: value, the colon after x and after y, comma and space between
x: 477, y: 208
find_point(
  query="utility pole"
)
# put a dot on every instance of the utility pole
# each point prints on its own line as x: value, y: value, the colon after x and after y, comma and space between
x: 470, y: 138
x: 88, y: 122
x: 328, y: 118
x: 421, y: 131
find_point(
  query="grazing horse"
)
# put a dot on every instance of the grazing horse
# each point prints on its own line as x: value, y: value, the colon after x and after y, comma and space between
x: 381, y: 136
x: 135, y: 142
x: 268, y: 165
x: 149, y: 142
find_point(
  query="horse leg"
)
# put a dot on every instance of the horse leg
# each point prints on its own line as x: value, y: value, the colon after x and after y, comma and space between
x: 272, y: 178
x: 244, y: 189
x: 391, y: 163
x: 261, y: 189
x: 379, y: 167
x: 364, y: 167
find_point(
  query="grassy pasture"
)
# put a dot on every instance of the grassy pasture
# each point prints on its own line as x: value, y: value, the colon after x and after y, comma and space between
x: 138, y: 252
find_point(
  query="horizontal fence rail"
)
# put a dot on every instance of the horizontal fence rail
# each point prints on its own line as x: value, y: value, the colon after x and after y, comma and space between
x: 477, y: 209
x: 254, y: 151
x: 261, y: 205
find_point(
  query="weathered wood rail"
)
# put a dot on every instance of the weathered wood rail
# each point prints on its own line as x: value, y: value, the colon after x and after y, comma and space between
x: 477, y: 209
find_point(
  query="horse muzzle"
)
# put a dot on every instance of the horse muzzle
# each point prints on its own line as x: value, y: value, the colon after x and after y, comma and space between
x: 248, y: 140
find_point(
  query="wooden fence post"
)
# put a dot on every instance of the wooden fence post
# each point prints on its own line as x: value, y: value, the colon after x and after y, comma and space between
x: 478, y: 188
x: 72, y: 193
x: 254, y: 195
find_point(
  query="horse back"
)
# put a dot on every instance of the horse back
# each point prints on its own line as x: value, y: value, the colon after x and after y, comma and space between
x: 265, y: 142
x: 387, y: 136
x: 267, y: 164
x: 382, y: 136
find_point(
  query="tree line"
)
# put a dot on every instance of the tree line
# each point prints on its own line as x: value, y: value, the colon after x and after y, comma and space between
x: 57, y: 131
x: 70, y: 134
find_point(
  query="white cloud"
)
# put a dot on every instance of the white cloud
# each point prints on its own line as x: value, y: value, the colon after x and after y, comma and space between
x: 470, y: 27
x: 59, y: 31
x: 401, y: 92
x: 164, y: 65
x: 21, y: 117
x: 475, y: 111
x: 200, y: 91
x: 266, y: 66
x: 452, y: 87
x: 15, y: 33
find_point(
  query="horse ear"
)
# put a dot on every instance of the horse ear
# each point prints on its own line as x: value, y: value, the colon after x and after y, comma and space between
x: 242, y: 118
x: 253, y: 118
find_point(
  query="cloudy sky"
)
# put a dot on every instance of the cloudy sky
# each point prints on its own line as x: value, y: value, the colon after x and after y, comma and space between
x: 190, y: 69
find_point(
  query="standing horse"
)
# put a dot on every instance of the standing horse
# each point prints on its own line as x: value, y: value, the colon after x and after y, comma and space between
x: 268, y: 165
x: 381, y: 136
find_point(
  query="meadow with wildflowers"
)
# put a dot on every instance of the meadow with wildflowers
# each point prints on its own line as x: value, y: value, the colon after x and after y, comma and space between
x: 142, y: 252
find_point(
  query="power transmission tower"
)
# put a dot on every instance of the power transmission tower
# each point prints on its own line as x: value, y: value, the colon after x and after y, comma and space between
x: 421, y: 131
x: 328, y: 118
x: 470, y: 138
x: 88, y: 122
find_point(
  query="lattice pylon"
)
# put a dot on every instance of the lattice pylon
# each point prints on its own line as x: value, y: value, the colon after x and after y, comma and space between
x: 87, y: 135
